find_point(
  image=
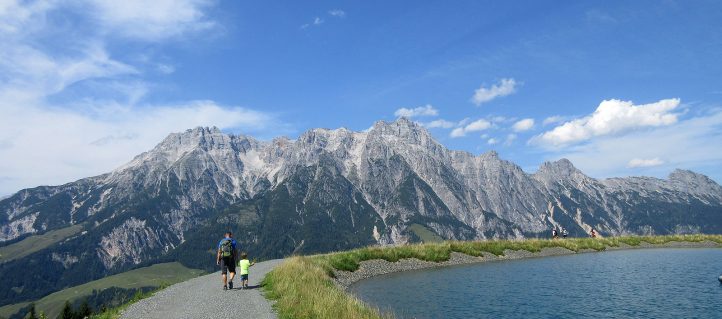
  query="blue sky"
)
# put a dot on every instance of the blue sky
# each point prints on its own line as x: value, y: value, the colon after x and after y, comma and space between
x: 619, y: 87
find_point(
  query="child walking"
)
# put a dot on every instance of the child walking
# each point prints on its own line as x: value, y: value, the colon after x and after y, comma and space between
x: 244, y: 264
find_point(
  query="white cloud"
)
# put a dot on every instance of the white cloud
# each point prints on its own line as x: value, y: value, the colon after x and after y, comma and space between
x: 510, y: 139
x: 457, y: 132
x: 553, y: 120
x: 440, y: 124
x: 478, y: 125
x: 151, y: 20
x: 36, y: 74
x: 611, y: 117
x: 523, y: 125
x: 688, y: 144
x: 165, y: 68
x: 640, y: 162
x: 492, y: 141
x: 337, y: 13
x: 504, y: 88
x: 475, y: 126
x: 426, y: 110
x: 317, y: 21
x: 14, y: 16
x: 500, y: 119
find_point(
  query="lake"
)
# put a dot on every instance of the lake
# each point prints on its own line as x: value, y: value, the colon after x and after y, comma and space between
x: 642, y: 283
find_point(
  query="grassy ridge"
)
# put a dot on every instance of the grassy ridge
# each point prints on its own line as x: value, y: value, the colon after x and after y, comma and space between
x: 35, y: 243
x: 153, y: 276
x: 303, y: 286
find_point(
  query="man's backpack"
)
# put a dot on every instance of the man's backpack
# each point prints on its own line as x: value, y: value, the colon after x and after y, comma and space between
x: 226, y: 248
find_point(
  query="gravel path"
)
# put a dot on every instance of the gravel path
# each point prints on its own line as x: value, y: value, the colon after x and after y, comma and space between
x: 203, y: 297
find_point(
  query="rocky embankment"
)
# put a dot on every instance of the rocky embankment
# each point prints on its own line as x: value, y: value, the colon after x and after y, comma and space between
x: 372, y: 268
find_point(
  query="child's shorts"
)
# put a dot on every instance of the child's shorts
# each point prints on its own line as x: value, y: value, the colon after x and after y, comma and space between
x: 244, y: 277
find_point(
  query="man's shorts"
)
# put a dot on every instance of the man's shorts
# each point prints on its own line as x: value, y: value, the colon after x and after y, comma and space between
x: 228, y: 264
x: 244, y: 277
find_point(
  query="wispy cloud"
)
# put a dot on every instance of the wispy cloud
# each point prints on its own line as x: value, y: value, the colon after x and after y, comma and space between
x: 337, y: 13
x: 510, y: 139
x: 440, y: 123
x: 553, y: 120
x: 475, y: 126
x: 317, y: 21
x: 503, y: 88
x: 151, y: 20
x: 523, y: 125
x: 426, y: 110
x: 611, y: 117
x: 640, y: 162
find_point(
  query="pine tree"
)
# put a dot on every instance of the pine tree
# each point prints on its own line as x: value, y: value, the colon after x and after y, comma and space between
x: 31, y: 313
x: 84, y: 311
x: 67, y: 312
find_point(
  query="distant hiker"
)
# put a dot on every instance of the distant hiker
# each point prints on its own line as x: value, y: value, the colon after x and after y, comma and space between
x: 244, y: 264
x: 226, y: 258
x: 565, y: 233
x: 594, y: 233
x: 554, y: 234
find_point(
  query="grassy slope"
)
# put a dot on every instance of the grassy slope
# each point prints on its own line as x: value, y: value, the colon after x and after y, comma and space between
x: 425, y: 234
x: 303, y: 287
x: 35, y: 243
x: 152, y: 276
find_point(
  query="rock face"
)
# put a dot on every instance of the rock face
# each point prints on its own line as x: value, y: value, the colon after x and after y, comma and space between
x: 328, y: 190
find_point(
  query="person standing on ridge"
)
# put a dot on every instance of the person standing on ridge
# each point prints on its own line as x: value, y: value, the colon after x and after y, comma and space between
x: 226, y: 258
x: 565, y: 233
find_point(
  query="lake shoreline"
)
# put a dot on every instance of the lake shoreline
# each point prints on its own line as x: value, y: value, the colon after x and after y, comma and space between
x: 377, y: 267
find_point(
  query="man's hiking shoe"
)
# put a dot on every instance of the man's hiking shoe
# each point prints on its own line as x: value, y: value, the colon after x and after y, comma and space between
x: 230, y: 285
x: 225, y: 287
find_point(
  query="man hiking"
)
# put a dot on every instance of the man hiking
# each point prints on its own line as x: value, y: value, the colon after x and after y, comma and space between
x: 226, y: 258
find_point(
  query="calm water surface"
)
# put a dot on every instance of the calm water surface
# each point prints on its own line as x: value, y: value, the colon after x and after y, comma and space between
x: 650, y: 283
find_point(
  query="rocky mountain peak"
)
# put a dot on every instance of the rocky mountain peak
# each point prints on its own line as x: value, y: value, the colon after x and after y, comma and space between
x: 490, y: 155
x: 684, y: 175
x: 560, y: 170
x: 400, y: 127
x: 561, y: 167
x: 403, y: 131
x: 692, y: 182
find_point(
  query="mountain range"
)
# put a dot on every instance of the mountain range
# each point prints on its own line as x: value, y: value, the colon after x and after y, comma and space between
x: 327, y: 190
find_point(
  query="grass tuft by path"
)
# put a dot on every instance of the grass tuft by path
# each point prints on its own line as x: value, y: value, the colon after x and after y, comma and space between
x: 115, y: 313
x: 303, y: 286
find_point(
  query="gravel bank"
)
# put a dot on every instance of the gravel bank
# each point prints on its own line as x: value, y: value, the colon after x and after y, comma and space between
x: 203, y: 297
x: 371, y: 268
